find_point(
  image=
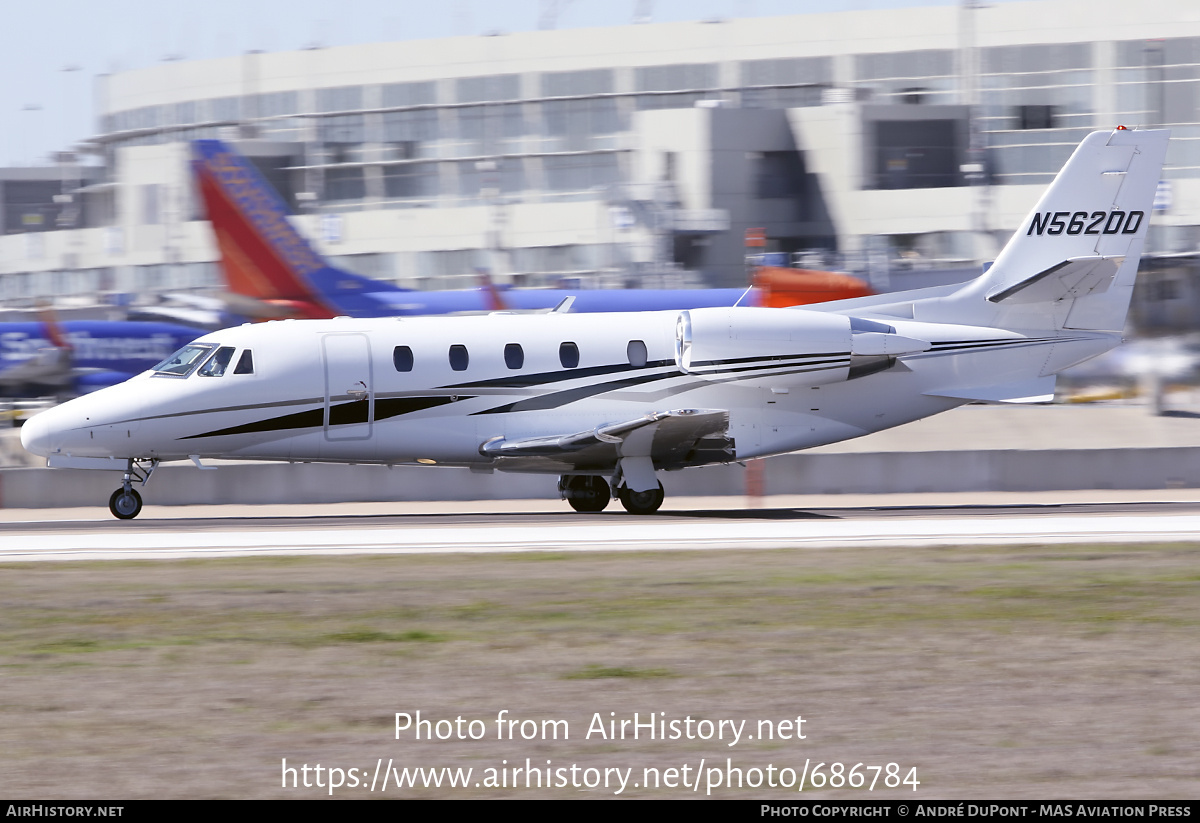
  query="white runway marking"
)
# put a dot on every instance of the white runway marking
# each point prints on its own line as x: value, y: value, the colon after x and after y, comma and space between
x: 642, y: 536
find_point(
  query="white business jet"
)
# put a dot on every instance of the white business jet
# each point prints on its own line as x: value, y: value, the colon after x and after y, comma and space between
x: 607, y: 401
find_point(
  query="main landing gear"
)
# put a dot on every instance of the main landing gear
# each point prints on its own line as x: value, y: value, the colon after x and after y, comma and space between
x: 646, y: 502
x: 590, y: 493
x: 587, y: 494
x: 125, y: 503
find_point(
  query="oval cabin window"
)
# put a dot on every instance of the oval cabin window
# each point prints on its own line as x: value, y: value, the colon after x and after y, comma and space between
x: 514, y: 356
x: 402, y: 358
x: 568, y: 355
x: 636, y: 352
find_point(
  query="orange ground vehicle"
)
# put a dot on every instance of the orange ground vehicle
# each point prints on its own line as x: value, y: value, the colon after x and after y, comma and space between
x: 780, y: 287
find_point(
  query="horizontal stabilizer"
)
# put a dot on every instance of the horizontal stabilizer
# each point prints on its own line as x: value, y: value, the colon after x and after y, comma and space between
x: 1076, y: 277
x: 1039, y: 390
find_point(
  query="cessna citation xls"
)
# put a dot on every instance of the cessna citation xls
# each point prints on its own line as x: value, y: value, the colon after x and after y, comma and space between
x: 609, y: 400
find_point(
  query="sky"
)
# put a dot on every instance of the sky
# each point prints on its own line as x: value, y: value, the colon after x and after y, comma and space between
x: 51, y: 52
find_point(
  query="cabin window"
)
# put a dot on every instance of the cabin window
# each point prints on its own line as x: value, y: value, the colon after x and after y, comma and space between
x: 245, y: 364
x: 514, y: 356
x: 568, y: 355
x: 459, y: 357
x: 636, y: 352
x: 184, y: 362
x: 402, y: 358
x: 218, y: 363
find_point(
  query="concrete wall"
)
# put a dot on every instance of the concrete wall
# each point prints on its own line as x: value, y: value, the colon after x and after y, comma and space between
x: 850, y: 473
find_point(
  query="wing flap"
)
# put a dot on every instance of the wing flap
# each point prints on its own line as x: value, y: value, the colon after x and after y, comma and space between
x: 669, y: 437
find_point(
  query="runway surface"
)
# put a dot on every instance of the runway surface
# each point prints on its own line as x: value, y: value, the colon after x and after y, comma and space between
x: 92, y: 536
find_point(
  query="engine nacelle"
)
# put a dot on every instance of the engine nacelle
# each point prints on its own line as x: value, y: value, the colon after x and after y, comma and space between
x: 764, y: 348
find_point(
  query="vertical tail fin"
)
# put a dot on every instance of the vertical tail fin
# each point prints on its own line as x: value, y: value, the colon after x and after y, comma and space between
x: 54, y: 330
x: 492, y: 298
x: 262, y: 255
x: 1072, y: 262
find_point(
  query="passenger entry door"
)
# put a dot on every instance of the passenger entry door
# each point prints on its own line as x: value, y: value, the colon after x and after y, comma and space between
x: 349, y: 392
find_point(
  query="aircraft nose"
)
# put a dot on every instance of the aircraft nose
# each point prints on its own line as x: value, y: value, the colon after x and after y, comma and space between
x: 52, y: 431
x: 37, y: 433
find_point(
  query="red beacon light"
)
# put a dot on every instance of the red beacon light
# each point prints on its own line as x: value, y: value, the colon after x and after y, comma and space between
x: 1122, y: 128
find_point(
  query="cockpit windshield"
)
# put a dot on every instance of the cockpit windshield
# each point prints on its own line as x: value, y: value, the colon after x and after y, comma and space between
x: 218, y: 363
x: 184, y: 362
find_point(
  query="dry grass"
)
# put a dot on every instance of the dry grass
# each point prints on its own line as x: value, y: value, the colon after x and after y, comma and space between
x: 996, y: 672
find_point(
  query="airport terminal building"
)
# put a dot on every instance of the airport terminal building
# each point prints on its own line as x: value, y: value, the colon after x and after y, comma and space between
x: 903, y: 145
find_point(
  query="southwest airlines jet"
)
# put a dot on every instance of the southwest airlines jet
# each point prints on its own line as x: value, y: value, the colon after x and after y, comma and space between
x: 40, y: 358
x: 265, y: 259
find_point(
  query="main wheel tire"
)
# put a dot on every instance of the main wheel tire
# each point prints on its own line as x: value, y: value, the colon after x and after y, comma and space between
x: 646, y: 502
x: 587, y: 494
x: 125, y: 505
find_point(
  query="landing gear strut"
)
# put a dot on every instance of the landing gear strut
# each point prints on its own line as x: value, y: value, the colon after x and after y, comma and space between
x: 646, y: 502
x: 586, y: 493
x: 125, y: 503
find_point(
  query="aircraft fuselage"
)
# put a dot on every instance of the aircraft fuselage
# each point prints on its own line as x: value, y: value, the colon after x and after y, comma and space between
x: 435, y: 390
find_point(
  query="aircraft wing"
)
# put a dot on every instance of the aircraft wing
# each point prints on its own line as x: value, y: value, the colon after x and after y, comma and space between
x: 672, y: 439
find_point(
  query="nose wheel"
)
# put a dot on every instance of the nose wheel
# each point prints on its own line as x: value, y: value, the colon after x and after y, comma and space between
x: 125, y: 503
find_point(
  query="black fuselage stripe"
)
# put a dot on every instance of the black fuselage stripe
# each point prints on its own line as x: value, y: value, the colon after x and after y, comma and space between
x: 313, y: 418
x: 357, y: 411
x: 523, y: 381
x: 820, y: 356
x: 555, y: 400
x: 944, y: 348
x: 247, y: 407
x: 341, y: 414
x: 1001, y: 341
x: 542, y: 378
x: 765, y: 366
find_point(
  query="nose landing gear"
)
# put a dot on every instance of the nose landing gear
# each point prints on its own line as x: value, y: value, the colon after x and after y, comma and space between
x: 125, y: 503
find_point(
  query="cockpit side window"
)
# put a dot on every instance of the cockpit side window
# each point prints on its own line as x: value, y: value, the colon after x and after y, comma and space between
x: 184, y: 362
x: 245, y: 364
x: 218, y: 363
